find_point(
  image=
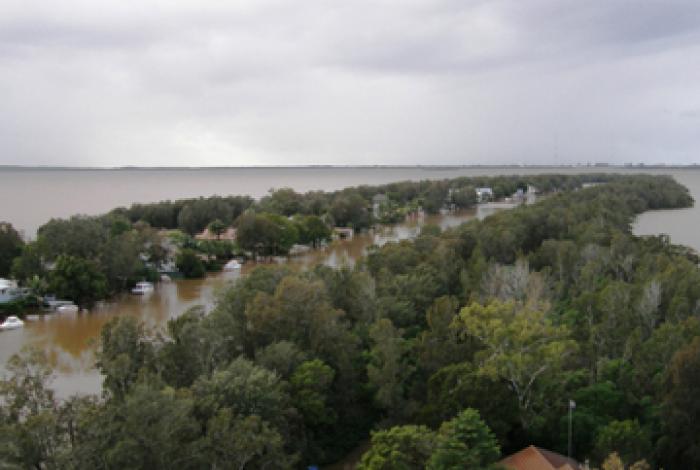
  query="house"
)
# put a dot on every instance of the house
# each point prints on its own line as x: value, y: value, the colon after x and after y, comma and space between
x: 518, y: 195
x: 484, y: 194
x: 10, y: 292
x: 342, y: 233
x: 229, y: 234
x: 534, y: 458
x: 377, y: 201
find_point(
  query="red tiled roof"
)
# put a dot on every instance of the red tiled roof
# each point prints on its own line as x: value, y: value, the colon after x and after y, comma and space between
x: 534, y: 458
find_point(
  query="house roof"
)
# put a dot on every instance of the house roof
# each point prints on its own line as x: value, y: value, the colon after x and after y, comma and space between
x: 228, y: 234
x: 534, y: 458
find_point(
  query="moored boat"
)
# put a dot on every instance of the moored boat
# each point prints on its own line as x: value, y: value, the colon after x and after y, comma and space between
x: 143, y: 287
x: 232, y: 265
x: 67, y: 308
x: 11, y: 323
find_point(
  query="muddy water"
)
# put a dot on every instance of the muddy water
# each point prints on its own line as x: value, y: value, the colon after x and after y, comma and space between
x: 69, y: 338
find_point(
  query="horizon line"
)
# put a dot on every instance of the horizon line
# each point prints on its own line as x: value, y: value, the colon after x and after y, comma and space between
x: 340, y: 166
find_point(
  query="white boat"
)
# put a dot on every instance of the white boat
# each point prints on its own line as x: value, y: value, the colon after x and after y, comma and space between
x: 232, y: 265
x: 67, y: 308
x: 142, y: 288
x: 11, y: 323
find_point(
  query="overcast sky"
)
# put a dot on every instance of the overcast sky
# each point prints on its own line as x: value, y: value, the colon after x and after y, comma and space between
x: 173, y: 83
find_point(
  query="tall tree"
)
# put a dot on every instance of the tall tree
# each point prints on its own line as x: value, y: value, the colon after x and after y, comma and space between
x: 464, y: 442
x: 521, y: 345
x: 681, y: 410
x: 10, y: 247
x: 77, y: 279
x: 217, y: 227
x: 389, y: 368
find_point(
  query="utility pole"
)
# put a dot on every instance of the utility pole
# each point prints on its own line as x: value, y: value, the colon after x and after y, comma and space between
x: 572, y: 405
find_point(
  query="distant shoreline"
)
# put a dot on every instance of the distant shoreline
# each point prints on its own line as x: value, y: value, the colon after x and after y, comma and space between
x: 601, y: 166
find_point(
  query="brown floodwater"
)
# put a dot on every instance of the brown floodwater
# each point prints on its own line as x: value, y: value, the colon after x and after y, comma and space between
x: 69, y: 339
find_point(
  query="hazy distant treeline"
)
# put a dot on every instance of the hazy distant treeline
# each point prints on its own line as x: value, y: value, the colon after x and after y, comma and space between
x: 346, y: 207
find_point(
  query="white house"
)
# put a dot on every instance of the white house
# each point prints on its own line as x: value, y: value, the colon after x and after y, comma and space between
x: 377, y: 201
x: 9, y: 291
x: 484, y: 194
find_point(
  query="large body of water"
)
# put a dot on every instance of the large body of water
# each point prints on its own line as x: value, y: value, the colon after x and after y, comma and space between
x: 30, y: 197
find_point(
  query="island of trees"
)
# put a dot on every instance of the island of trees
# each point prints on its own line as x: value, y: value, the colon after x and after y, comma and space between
x: 443, y: 352
x: 87, y: 258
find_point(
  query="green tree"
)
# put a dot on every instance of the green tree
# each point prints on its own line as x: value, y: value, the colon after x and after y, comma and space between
x: 245, y: 389
x: 79, y: 236
x: 284, y: 201
x: 217, y: 227
x: 312, y: 230
x: 245, y: 442
x: 193, y: 348
x: 77, y: 279
x: 150, y: 428
x: 389, y: 368
x: 521, y: 346
x: 282, y: 357
x: 30, y: 434
x: 680, y: 444
x: 311, y: 384
x: 464, y: 442
x: 399, y: 448
x: 628, y: 438
x: 464, y: 197
x: 11, y: 245
x: 124, y: 354
x: 29, y: 264
x: 256, y: 233
x: 285, y: 235
x: 459, y: 386
x: 349, y: 209
x: 189, y: 264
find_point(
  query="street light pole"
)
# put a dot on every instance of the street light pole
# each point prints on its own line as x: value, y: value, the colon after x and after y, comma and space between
x: 572, y: 405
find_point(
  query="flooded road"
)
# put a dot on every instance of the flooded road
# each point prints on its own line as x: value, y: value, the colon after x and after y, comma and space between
x: 68, y: 339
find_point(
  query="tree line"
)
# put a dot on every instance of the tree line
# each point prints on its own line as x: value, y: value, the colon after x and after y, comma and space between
x: 86, y: 258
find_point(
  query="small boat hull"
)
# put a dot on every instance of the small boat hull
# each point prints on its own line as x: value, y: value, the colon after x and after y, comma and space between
x: 67, y: 309
x: 142, y: 288
x: 11, y: 323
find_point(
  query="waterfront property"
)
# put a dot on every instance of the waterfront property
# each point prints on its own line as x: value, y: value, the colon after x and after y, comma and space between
x: 484, y: 194
x: 342, y: 233
x: 10, y: 292
x: 229, y: 234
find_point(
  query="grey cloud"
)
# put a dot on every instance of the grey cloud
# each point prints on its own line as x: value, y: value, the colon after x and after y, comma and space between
x: 383, y: 81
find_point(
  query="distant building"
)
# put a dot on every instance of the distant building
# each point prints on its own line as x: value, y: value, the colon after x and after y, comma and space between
x: 10, y: 292
x: 534, y: 458
x: 484, y: 194
x: 377, y: 202
x: 343, y: 233
x: 228, y: 234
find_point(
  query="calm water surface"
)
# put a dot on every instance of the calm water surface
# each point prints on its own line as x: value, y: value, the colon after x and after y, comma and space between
x: 29, y: 198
